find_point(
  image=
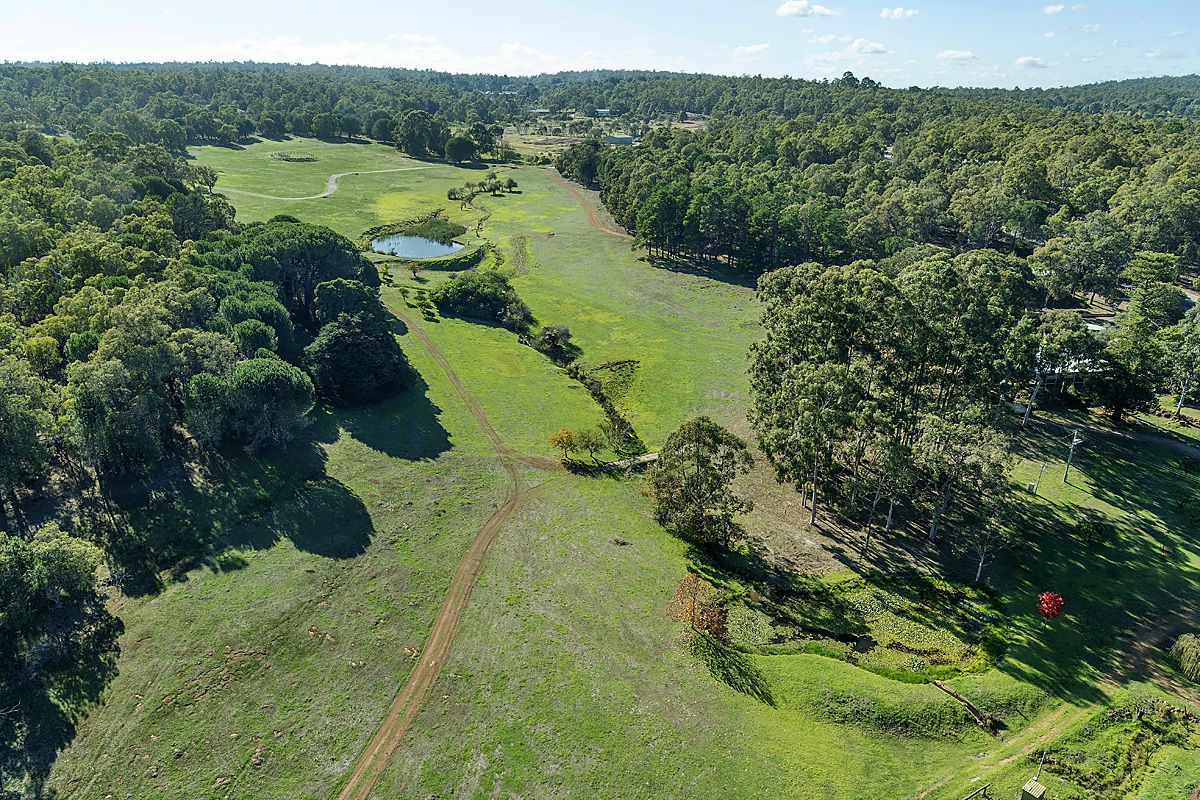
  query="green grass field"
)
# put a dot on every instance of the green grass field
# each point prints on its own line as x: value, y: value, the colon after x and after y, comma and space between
x: 268, y: 664
x: 264, y: 667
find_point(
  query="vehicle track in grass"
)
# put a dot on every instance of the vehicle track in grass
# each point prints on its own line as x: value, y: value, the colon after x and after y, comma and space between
x: 589, y: 207
x: 388, y: 737
x: 331, y: 184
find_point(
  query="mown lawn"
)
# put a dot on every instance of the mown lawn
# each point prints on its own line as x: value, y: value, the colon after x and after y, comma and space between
x: 567, y: 678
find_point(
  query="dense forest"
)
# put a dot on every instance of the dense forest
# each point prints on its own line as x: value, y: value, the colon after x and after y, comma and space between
x: 179, y: 104
x: 768, y: 189
x: 1168, y: 96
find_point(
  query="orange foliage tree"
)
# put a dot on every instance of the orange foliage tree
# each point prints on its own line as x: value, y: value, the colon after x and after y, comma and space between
x: 695, y: 604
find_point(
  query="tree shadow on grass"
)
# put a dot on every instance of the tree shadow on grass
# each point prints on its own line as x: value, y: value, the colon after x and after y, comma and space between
x: 731, y: 667
x: 52, y: 685
x: 715, y: 270
x: 403, y: 424
x: 239, y: 502
x: 1116, y: 579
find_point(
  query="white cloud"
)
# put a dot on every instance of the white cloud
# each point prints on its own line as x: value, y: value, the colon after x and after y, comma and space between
x: 865, y: 47
x: 1090, y: 59
x: 1092, y: 28
x: 1031, y: 62
x: 1176, y: 34
x: 828, y: 38
x: 859, y: 54
x: 899, y: 12
x: 750, y: 50
x: 1055, y: 9
x: 803, y: 8
x: 1049, y: 34
x: 957, y: 56
x: 1164, y: 54
x: 1079, y: 7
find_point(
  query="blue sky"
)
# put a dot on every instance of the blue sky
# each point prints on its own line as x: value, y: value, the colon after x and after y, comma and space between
x: 993, y: 43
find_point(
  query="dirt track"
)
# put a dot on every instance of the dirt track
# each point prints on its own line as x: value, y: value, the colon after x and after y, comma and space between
x: 331, y: 184
x: 589, y: 207
x: 404, y: 709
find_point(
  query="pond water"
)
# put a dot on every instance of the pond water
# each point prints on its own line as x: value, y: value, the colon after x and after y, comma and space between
x: 405, y: 246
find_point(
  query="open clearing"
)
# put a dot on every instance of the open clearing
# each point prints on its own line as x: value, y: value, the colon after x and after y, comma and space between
x: 277, y: 657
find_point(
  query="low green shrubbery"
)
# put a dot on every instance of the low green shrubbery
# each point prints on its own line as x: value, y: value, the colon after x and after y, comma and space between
x: 435, y: 227
x: 912, y: 629
x: 485, y: 295
x: 748, y: 627
x: 1108, y: 757
x: 1186, y: 654
x: 292, y: 157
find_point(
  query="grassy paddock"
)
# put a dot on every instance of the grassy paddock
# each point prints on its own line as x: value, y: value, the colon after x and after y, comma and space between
x: 567, y: 677
x: 265, y: 668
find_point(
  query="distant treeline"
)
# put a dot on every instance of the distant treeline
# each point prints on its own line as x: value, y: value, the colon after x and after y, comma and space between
x: 179, y: 104
x: 841, y: 172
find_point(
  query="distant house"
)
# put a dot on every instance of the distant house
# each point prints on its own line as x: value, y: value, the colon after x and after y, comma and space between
x: 539, y: 111
x: 603, y: 112
x: 618, y: 138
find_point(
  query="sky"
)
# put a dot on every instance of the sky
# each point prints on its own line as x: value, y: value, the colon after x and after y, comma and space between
x: 926, y: 43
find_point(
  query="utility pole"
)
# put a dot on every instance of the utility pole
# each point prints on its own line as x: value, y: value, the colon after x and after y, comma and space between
x: 1038, y: 482
x: 1075, y: 439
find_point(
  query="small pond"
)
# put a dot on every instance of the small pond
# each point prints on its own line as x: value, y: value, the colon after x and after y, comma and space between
x: 405, y: 246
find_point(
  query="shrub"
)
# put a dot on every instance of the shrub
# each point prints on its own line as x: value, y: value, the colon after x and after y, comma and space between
x: 555, y: 342
x: 748, y: 627
x: 1186, y: 653
x: 482, y: 295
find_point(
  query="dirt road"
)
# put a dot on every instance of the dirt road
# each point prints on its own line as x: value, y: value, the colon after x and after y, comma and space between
x: 404, y: 709
x: 589, y: 206
x: 331, y: 184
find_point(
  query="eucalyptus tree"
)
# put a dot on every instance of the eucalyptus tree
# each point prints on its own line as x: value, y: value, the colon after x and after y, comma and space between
x: 690, y: 483
x: 1182, y: 348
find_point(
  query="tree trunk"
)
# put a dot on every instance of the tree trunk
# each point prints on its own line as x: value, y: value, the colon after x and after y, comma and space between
x: 887, y: 526
x: 937, y: 517
x: 812, y: 509
x: 979, y: 570
x: 1037, y: 384
x: 1182, y: 396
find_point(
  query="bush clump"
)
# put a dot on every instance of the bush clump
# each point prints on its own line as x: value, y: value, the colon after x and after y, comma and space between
x: 1186, y: 653
x: 748, y: 627
x: 355, y: 359
x: 555, y: 342
x: 483, y: 295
